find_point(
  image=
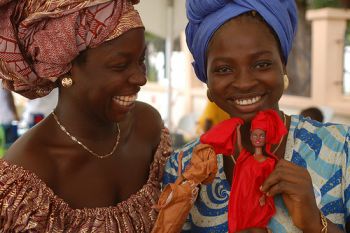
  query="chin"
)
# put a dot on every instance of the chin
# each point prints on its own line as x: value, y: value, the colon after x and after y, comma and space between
x: 246, y: 117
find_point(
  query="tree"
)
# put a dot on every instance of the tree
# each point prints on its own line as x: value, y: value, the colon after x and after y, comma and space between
x: 299, y: 64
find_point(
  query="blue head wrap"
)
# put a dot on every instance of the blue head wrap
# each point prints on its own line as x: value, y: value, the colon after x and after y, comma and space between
x: 206, y: 16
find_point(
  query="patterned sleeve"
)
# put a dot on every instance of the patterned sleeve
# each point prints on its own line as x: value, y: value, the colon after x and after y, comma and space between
x: 171, y: 171
x: 347, y: 176
x: 171, y: 166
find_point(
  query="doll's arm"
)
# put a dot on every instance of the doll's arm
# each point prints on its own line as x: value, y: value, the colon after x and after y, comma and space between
x: 239, y: 138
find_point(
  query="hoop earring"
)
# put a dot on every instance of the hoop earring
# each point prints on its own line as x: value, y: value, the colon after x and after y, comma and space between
x: 67, y: 81
x: 285, y: 82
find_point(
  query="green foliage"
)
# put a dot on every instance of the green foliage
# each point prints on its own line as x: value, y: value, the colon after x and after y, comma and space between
x: 347, y: 35
x: 155, y: 44
x: 152, y: 74
x: 323, y: 3
x: 158, y: 42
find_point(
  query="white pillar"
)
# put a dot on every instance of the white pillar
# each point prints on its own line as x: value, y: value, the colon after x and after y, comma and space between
x: 328, y: 34
x: 168, y: 53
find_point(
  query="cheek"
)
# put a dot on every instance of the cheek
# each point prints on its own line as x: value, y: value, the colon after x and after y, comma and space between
x: 218, y: 85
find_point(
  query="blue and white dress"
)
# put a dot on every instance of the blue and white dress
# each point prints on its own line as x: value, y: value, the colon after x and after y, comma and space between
x: 323, y: 149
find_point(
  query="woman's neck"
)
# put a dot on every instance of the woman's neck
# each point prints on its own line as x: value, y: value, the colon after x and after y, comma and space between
x: 84, y: 124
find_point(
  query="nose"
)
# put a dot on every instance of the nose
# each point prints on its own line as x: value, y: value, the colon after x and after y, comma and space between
x: 138, y: 77
x: 244, y: 80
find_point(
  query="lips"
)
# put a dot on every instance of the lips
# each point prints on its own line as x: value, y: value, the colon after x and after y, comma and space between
x: 126, y: 100
x: 247, y: 101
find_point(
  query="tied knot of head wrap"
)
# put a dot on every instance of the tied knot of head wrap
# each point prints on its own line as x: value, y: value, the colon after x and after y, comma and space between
x: 39, y: 39
x: 206, y: 16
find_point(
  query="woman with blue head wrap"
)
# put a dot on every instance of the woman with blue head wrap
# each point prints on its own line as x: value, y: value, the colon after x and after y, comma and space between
x: 240, y: 50
x: 207, y: 16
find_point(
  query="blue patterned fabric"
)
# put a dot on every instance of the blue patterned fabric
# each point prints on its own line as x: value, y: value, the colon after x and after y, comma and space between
x: 323, y: 149
x: 206, y: 16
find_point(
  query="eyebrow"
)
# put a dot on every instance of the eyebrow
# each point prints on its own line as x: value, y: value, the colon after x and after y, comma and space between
x: 125, y: 54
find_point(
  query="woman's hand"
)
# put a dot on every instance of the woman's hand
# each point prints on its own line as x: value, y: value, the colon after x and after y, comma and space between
x: 295, y: 185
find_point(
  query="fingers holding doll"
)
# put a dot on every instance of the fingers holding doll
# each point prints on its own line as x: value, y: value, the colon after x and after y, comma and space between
x: 295, y: 185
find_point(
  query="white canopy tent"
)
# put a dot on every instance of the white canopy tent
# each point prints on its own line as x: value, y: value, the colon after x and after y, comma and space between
x: 167, y: 19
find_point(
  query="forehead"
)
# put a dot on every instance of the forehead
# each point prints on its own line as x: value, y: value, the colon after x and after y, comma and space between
x: 132, y: 41
x: 258, y: 131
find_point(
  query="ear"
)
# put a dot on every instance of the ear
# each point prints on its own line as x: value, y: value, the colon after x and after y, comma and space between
x: 284, y: 68
x: 74, y: 69
x: 209, y: 96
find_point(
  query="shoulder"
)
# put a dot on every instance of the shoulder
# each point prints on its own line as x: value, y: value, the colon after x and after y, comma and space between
x: 300, y: 122
x: 147, y: 110
x: 322, y: 148
x: 330, y: 138
x: 148, y: 123
x: 309, y: 130
x: 145, y: 113
x: 31, y: 152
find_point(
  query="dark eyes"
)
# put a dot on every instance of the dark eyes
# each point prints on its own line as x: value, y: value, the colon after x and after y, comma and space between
x: 263, y: 65
x: 124, y: 65
x: 120, y: 67
x: 223, y: 69
x: 258, y: 136
x: 226, y: 69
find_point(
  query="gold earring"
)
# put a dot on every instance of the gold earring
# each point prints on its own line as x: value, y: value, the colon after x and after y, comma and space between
x: 285, y: 82
x: 67, y: 81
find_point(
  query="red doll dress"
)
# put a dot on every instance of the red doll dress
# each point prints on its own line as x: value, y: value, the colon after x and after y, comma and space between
x: 244, y: 210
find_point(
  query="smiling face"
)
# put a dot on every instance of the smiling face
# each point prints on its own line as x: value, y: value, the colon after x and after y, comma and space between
x: 108, y: 78
x: 244, y: 68
x: 257, y: 137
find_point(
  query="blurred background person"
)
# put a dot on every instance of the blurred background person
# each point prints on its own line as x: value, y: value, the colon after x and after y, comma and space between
x: 211, y: 116
x: 37, y: 109
x: 8, y: 111
x: 8, y: 119
x: 314, y: 113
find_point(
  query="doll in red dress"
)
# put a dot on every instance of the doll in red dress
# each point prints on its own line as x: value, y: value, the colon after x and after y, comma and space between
x: 248, y: 206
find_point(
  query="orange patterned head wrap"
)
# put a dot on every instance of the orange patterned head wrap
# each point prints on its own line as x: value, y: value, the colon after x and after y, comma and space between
x: 40, y: 38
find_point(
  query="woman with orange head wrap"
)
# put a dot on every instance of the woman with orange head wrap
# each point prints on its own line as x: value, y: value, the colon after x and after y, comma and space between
x: 72, y: 172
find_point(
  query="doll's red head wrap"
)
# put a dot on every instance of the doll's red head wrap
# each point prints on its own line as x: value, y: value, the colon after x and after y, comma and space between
x: 39, y: 39
x: 270, y: 122
x: 223, y: 135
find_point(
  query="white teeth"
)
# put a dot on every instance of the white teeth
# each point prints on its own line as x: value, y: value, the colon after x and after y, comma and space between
x: 248, y: 101
x: 125, y: 100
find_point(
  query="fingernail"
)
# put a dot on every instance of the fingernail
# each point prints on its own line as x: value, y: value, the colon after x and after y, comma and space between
x: 260, y: 188
x: 268, y: 194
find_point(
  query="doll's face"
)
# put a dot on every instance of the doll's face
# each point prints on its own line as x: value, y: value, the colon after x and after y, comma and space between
x: 257, y: 137
x: 244, y: 68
